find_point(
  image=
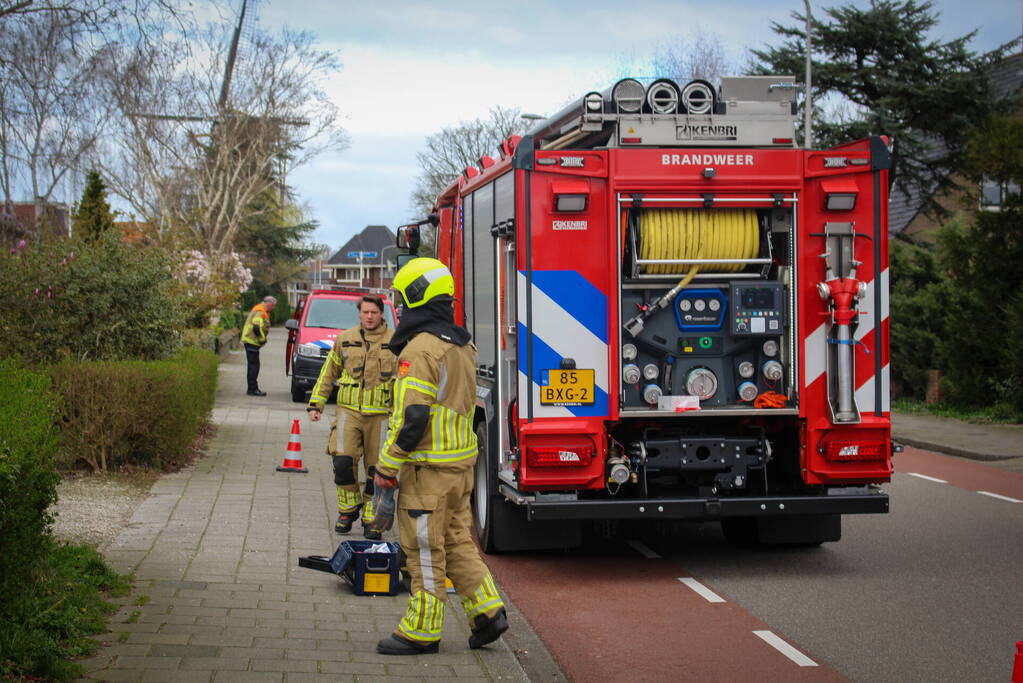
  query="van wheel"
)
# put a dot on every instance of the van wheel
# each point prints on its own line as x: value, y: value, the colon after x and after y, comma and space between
x: 297, y: 392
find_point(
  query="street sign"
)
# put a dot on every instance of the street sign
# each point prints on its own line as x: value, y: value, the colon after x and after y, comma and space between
x: 362, y: 254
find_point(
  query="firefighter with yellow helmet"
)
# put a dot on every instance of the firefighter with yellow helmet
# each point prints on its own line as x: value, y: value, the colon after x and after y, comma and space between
x: 363, y: 368
x: 431, y: 449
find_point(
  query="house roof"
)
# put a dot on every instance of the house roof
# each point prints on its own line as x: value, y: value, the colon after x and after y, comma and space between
x: 371, y: 242
x: 905, y: 204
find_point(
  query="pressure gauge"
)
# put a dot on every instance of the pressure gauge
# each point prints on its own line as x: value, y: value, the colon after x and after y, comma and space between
x: 699, y: 304
x: 629, y: 351
x: 714, y: 305
x: 685, y: 304
x: 771, y: 348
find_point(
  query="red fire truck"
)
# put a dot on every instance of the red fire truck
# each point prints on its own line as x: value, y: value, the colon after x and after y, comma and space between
x: 680, y: 315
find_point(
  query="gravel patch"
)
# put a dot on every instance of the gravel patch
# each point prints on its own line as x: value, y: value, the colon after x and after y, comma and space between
x: 93, y: 509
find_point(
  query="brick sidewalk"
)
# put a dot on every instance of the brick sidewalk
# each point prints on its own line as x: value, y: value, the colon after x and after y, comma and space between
x: 218, y: 595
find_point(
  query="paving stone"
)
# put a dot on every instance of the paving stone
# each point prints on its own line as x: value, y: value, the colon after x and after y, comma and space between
x: 184, y: 651
x: 142, y: 663
x: 248, y: 677
x: 215, y: 663
x: 158, y: 676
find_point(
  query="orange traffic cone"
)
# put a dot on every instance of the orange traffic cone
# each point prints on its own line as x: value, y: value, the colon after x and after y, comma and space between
x: 1017, y: 669
x: 293, y: 456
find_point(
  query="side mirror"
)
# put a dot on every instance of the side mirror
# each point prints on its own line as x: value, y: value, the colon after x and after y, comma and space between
x: 291, y: 324
x: 408, y: 238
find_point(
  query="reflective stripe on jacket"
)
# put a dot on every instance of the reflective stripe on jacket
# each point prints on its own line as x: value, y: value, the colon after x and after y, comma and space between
x: 434, y: 402
x: 363, y: 367
x: 257, y: 324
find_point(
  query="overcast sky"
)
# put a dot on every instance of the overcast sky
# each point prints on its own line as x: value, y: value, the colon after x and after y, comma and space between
x: 412, y: 67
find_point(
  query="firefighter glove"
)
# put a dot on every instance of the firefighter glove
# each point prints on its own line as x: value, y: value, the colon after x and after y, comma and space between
x: 382, y: 481
x: 383, y: 506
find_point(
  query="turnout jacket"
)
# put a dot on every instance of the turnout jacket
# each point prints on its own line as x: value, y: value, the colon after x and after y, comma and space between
x: 363, y: 367
x: 434, y: 401
x: 257, y: 324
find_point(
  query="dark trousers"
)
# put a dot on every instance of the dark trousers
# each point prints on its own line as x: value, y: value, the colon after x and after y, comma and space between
x: 252, y: 357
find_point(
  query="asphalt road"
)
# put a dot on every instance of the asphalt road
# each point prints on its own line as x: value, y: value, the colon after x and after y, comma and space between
x: 932, y: 591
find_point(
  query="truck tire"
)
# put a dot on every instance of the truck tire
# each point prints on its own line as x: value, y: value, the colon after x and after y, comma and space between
x: 502, y: 526
x: 297, y: 392
x: 484, y: 496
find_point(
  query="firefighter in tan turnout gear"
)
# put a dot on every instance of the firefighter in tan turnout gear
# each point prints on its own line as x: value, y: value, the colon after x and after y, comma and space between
x: 431, y: 449
x: 363, y: 367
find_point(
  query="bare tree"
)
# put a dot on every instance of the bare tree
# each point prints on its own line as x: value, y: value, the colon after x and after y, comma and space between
x: 451, y: 150
x: 47, y: 118
x: 698, y: 55
x: 192, y: 164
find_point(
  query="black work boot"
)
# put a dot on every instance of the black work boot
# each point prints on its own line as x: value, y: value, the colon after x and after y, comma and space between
x: 396, y: 645
x: 371, y: 534
x: 345, y: 520
x: 486, y: 629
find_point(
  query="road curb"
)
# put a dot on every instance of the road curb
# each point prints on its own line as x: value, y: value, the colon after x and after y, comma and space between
x: 950, y: 450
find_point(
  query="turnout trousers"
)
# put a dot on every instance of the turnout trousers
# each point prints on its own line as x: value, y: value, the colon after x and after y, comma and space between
x: 434, y: 520
x: 355, y: 438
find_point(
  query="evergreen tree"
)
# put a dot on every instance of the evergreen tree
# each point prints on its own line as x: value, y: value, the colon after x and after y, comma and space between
x: 923, y: 93
x: 93, y: 216
x: 275, y: 239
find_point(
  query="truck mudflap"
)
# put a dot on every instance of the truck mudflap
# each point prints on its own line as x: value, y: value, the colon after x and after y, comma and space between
x: 702, y: 508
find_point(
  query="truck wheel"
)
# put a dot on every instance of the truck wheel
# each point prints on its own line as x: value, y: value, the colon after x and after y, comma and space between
x: 484, y: 496
x: 501, y: 526
x: 297, y: 392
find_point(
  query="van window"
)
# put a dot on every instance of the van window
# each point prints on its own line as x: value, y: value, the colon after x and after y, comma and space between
x: 339, y: 314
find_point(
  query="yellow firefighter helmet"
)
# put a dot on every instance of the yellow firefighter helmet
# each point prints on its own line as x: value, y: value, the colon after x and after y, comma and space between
x: 423, y: 279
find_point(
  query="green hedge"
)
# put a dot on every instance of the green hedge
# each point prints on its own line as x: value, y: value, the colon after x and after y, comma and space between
x: 134, y: 413
x: 28, y: 480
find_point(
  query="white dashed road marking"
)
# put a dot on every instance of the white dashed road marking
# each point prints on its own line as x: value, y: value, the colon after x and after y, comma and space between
x: 1000, y: 497
x: 706, y: 593
x: 641, y: 548
x: 924, y: 476
x: 784, y: 648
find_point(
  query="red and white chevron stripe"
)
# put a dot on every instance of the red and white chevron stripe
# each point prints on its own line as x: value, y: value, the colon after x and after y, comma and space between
x: 815, y: 351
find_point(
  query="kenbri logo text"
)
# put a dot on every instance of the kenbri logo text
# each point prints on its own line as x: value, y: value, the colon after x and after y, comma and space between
x: 569, y: 225
x: 706, y: 159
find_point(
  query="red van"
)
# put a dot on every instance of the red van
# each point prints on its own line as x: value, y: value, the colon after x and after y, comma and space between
x: 319, y: 317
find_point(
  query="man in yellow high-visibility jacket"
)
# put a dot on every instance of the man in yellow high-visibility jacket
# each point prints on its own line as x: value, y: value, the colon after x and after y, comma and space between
x: 254, y: 332
x: 363, y: 367
x: 431, y: 442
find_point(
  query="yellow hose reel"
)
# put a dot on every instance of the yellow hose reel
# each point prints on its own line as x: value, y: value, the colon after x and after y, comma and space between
x: 697, y: 234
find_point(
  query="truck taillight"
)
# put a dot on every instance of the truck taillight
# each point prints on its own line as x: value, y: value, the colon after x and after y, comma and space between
x: 840, y: 451
x: 558, y: 457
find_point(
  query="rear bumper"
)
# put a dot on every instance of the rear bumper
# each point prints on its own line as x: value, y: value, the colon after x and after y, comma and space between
x: 705, y: 508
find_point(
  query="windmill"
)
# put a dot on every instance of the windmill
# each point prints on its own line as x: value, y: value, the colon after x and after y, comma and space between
x: 236, y: 137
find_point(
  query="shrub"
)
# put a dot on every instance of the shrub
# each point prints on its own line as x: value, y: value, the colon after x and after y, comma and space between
x: 28, y: 479
x: 134, y: 413
x: 48, y: 620
x: 232, y: 318
x: 97, y: 299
